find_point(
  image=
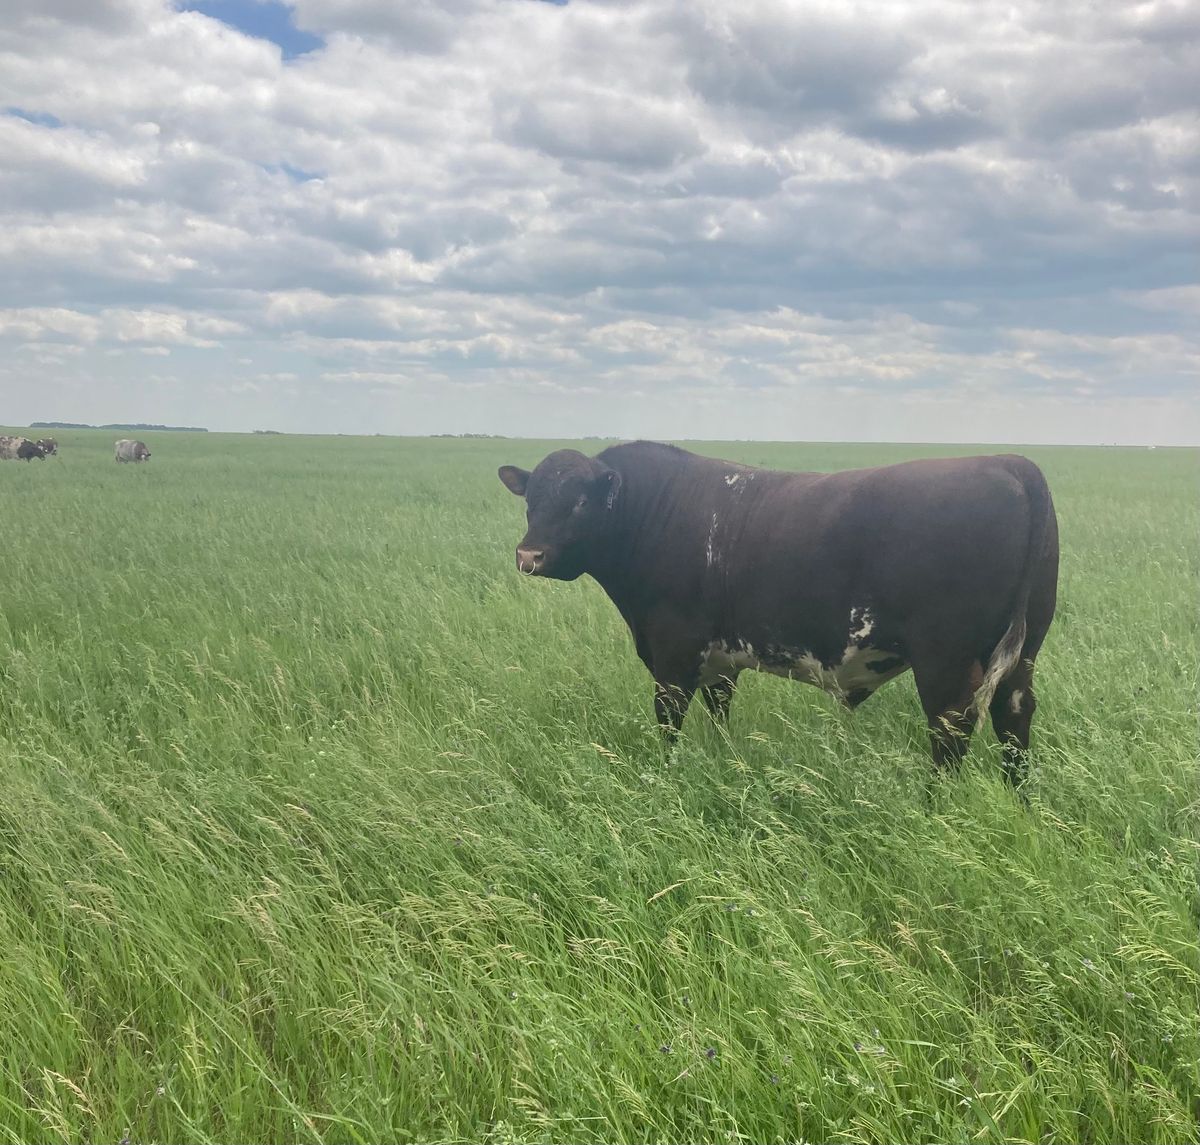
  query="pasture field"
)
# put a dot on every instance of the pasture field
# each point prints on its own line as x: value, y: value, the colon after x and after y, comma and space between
x: 320, y: 823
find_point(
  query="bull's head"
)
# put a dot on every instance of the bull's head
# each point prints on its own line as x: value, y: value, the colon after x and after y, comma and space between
x: 567, y: 498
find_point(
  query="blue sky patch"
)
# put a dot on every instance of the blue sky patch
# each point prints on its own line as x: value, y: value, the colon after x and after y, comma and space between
x: 264, y: 19
x: 297, y: 174
x: 41, y: 118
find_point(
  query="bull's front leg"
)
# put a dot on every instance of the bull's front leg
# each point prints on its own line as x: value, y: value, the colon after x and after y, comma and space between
x: 671, y: 700
x: 670, y: 649
x: 676, y: 670
x: 717, y: 698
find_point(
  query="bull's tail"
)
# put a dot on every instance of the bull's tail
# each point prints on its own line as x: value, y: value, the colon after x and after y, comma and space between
x: 1007, y: 653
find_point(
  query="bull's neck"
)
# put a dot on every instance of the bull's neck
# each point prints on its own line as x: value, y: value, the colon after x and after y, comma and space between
x: 627, y: 561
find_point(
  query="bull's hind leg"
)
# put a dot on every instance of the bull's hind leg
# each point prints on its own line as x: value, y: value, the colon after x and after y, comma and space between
x: 1013, y: 705
x: 1012, y: 711
x: 946, y: 687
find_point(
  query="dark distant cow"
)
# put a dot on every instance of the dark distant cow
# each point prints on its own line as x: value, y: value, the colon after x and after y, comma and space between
x: 128, y: 450
x: 843, y: 580
x: 20, y: 449
x: 49, y: 446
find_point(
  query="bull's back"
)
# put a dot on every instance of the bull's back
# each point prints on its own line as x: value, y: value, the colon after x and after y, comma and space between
x: 954, y: 529
x: 944, y: 536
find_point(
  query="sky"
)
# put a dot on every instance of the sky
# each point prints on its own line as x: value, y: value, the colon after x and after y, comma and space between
x: 955, y: 221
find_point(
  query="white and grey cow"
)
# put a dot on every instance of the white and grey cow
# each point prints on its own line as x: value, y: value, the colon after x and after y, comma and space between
x: 20, y: 449
x: 129, y: 450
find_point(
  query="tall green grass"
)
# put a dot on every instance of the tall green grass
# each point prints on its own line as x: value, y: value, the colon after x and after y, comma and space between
x: 319, y: 823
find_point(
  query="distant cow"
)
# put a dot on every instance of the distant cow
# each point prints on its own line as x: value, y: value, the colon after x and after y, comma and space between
x: 49, y: 446
x: 128, y: 450
x: 20, y: 448
x: 843, y: 580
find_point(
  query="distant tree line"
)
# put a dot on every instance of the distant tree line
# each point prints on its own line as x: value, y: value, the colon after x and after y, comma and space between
x: 115, y: 425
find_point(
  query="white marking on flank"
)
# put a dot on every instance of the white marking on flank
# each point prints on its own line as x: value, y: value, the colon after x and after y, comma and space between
x: 709, y: 551
x: 865, y: 622
x: 732, y: 478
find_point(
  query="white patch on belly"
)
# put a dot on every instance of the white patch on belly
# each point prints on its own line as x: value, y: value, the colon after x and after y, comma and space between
x: 1014, y: 703
x: 853, y: 673
x: 718, y: 660
x: 859, y: 669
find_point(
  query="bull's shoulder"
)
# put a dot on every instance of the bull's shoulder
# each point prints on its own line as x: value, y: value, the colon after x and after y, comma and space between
x: 645, y: 454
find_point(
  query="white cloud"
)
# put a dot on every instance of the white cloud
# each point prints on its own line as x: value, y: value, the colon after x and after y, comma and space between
x: 117, y: 325
x: 629, y: 213
x: 36, y: 322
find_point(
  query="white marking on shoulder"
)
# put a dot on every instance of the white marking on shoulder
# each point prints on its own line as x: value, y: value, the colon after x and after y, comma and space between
x: 1014, y: 703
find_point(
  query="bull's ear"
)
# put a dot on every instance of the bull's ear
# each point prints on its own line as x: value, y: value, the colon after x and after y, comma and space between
x: 610, y: 481
x: 514, y: 479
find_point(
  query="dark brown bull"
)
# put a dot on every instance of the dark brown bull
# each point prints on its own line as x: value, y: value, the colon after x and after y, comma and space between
x: 843, y: 580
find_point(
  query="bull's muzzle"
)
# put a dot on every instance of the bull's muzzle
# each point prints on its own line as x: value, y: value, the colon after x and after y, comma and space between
x: 530, y: 561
